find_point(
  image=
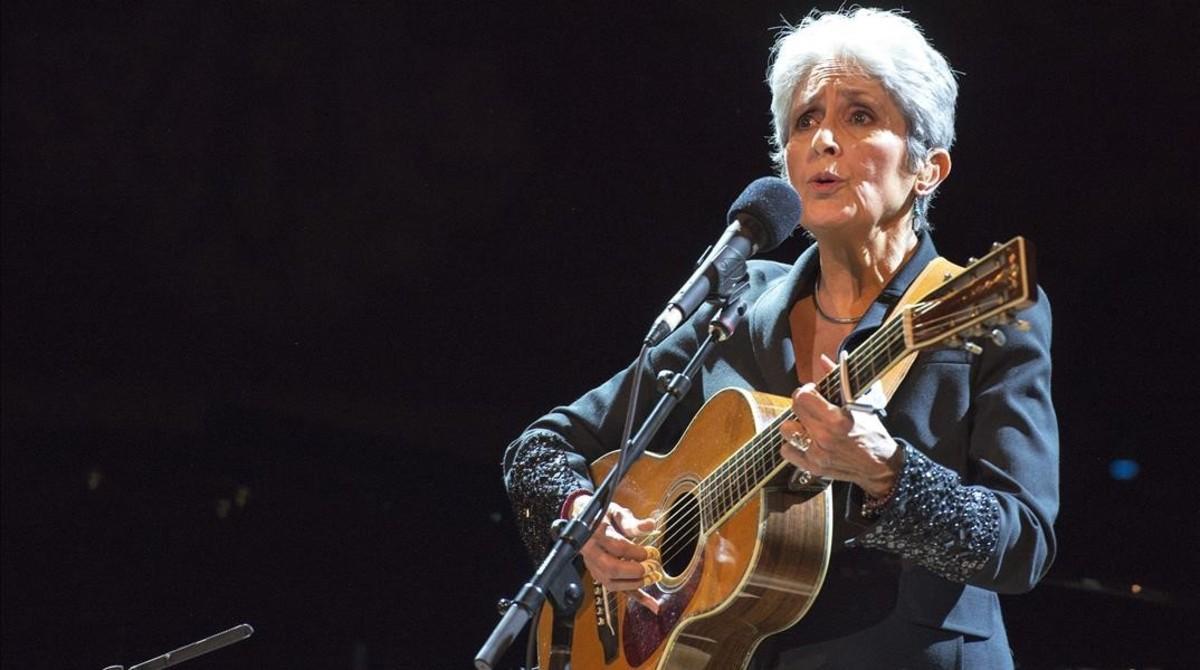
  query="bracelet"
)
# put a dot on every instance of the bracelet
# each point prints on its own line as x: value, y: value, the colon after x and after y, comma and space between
x: 872, y: 507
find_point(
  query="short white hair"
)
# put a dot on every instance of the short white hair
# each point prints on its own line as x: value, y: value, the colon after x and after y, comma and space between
x: 886, y: 46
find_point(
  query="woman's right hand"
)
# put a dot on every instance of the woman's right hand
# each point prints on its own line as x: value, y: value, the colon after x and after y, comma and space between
x: 612, y: 555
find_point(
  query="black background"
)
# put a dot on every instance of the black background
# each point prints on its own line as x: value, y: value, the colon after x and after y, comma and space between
x: 281, y: 279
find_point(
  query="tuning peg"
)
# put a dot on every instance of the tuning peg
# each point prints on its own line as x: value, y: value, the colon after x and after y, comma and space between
x: 996, y: 245
x: 972, y: 260
x: 1023, y: 325
x: 998, y: 337
x: 972, y: 348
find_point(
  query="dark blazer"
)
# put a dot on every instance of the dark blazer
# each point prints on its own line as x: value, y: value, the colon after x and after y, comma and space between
x: 974, y: 509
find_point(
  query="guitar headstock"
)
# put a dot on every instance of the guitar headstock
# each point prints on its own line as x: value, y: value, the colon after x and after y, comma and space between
x: 973, y: 304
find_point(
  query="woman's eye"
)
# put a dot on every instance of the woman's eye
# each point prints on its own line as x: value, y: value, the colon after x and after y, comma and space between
x: 859, y: 117
x: 804, y: 121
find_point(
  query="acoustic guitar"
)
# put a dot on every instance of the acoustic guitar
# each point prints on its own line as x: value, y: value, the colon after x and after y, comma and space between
x: 743, y: 550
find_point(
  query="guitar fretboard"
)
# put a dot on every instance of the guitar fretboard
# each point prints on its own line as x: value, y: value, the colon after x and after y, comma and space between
x: 757, y: 461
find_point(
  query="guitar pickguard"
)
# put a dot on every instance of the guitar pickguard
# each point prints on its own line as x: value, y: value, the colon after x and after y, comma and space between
x: 642, y: 631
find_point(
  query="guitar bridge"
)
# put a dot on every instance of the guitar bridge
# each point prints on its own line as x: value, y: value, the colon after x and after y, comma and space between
x: 605, y: 605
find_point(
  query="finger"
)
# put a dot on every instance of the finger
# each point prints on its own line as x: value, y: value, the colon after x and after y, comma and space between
x: 800, y: 459
x: 606, y: 567
x: 809, y: 396
x: 828, y: 364
x: 652, y: 572
x: 789, y: 428
x: 618, y: 545
x: 821, y: 417
x: 796, y: 438
x: 793, y: 456
x: 807, y: 404
x: 645, y: 526
x: 630, y: 525
x: 645, y: 599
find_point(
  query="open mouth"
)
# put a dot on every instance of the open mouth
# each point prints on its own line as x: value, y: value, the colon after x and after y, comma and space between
x: 825, y: 181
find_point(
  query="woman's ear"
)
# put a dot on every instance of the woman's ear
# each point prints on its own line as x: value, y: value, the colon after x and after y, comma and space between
x: 933, y: 172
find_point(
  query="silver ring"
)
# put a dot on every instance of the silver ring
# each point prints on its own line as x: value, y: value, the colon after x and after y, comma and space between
x: 802, y: 477
x: 800, y: 441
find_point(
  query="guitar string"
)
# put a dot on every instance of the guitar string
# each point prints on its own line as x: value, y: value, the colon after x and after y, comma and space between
x: 747, y: 461
x: 750, y: 457
x: 686, y: 530
x: 887, y: 337
x: 745, y: 464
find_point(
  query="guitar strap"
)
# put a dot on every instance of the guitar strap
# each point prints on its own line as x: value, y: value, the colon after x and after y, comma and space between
x: 937, y: 272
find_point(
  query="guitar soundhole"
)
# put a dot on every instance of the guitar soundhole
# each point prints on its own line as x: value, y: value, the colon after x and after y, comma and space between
x: 680, y: 535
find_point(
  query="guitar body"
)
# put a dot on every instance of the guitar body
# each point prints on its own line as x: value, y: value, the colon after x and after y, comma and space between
x: 753, y: 573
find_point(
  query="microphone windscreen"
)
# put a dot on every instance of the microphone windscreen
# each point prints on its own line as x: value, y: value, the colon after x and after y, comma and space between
x: 774, y: 205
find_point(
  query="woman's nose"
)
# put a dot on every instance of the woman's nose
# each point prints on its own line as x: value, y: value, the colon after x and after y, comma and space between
x: 825, y: 143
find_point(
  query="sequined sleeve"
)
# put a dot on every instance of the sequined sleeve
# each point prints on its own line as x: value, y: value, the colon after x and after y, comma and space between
x: 936, y: 521
x: 540, y: 471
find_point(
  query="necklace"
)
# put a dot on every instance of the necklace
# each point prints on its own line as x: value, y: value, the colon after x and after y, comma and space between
x: 844, y: 320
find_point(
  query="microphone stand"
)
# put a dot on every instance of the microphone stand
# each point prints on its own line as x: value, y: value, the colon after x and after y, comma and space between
x: 558, y: 577
x: 189, y: 651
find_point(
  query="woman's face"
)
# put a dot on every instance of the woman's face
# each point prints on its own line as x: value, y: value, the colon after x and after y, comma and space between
x: 846, y: 151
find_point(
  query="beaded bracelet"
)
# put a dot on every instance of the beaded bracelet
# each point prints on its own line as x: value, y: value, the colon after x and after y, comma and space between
x: 872, y: 507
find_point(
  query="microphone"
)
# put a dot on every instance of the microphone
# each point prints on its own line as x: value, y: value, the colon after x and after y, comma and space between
x: 760, y: 219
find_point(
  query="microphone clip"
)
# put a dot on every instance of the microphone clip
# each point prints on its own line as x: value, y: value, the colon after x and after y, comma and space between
x: 727, y: 318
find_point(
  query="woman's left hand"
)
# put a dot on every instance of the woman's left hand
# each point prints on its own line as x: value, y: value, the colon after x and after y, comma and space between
x: 841, y: 444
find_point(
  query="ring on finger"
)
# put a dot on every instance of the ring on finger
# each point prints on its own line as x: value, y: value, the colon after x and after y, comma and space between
x: 800, y: 440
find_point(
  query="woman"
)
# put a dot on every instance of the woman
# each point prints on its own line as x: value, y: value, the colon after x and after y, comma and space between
x: 950, y: 498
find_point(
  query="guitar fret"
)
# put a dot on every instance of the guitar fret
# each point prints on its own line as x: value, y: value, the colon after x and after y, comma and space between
x: 724, y: 496
x: 746, y: 483
x: 738, y: 476
x: 859, y: 381
x: 896, y: 346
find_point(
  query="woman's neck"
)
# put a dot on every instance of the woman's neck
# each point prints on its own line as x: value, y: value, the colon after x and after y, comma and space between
x: 855, y: 268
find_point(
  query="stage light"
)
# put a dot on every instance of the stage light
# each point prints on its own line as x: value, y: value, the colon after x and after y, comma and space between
x: 1123, y: 469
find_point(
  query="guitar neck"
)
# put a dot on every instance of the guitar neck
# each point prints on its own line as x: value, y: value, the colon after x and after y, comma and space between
x: 759, y: 460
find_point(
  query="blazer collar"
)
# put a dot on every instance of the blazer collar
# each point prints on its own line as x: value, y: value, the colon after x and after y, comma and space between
x: 770, y: 330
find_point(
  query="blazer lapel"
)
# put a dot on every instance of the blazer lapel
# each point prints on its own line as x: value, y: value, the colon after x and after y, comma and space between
x: 770, y: 331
